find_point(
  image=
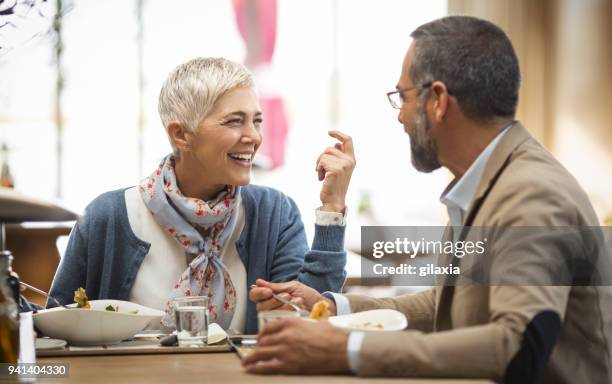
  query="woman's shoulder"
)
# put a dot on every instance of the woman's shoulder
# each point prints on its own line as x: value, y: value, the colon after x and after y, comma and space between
x: 107, y: 200
x: 267, y: 202
x: 267, y: 207
x: 107, y: 205
x: 259, y: 194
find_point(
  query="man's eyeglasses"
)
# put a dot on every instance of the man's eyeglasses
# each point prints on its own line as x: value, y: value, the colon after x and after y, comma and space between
x: 396, y: 99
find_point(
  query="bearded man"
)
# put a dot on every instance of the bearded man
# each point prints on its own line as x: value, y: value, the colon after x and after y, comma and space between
x: 457, y: 97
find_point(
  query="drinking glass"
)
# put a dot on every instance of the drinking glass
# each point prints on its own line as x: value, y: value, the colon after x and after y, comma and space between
x: 191, y: 319
x: 265, y: 317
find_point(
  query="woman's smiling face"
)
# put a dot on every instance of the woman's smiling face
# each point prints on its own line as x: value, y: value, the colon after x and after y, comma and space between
x: 225, y: 142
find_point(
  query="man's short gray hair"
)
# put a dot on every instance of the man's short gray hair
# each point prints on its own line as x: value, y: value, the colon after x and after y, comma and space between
x: 476, y: 61
x: 192, y: 89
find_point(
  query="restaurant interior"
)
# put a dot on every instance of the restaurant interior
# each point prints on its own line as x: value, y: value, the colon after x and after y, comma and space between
x: 79, y: 88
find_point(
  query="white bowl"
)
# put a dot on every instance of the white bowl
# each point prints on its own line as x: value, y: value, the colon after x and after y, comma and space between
x: 380, y: 320
x: 95, y: 326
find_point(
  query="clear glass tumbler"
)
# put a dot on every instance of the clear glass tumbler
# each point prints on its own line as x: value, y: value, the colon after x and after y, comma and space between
x: 265, y: 317
x: 191, y: 319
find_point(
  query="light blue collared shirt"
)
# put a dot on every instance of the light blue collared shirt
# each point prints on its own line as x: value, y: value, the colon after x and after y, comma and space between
x: 458, y: 199
x: 457, y: 202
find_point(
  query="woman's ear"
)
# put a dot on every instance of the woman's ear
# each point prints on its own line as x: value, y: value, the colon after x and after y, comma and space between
x: 440, y: 93
x: 179, y: 136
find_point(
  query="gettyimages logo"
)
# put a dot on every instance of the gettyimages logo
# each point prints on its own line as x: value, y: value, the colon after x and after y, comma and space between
x: 422, y: 246
x: 412, y: 248
x: 540, y: 256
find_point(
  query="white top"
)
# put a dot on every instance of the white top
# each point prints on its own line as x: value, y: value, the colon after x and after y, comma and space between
x: 166, y: 260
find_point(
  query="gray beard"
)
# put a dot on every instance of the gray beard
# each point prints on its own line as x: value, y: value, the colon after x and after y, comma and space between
x: 424, y: 152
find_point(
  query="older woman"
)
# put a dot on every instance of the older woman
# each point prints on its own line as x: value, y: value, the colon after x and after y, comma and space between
x: 195, y: 226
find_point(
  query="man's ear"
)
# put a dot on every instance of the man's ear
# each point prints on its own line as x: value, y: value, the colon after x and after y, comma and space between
x: 441, y: 100
x: 179, y: 135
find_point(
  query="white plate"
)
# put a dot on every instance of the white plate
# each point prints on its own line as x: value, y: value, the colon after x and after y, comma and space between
x: 389, y: 319
x: 95, y: 326
x: 45, y: 344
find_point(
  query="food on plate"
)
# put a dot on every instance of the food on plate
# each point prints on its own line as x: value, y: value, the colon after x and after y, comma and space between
x: 367, y: 325
x: 110, y: 308
x: 320, y: 310
x: 80, y: 297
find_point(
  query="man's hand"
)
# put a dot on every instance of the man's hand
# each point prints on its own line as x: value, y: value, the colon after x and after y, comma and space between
x: 294, y: 291
x: 335, y: 167
x: 298, y: 346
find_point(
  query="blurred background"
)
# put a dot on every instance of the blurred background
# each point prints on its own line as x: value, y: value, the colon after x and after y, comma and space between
x: 80, y: 79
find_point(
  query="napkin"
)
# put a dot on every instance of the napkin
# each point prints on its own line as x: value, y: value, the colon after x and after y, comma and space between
x: 216, y: 334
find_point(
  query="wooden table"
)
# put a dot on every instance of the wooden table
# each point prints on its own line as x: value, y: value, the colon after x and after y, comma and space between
x: 194, y: 368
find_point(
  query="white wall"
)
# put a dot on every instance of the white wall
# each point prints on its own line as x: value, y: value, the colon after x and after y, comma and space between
x: 101, y: 97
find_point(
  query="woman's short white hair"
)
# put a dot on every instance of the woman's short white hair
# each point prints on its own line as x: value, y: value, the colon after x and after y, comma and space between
x: 192, y: 89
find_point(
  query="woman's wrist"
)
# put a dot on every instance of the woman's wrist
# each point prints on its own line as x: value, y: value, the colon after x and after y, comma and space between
x: 328, y: 207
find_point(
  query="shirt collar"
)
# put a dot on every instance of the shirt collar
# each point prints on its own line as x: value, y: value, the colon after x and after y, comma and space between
x: 461, y: 194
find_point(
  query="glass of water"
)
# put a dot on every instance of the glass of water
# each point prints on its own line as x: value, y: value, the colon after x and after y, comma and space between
x: 191, y: 319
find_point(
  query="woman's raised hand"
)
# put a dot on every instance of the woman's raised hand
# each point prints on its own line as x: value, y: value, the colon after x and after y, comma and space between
x: 335, y: 167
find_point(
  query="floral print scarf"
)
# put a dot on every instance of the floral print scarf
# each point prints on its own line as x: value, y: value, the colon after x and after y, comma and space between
x: 202, y: 229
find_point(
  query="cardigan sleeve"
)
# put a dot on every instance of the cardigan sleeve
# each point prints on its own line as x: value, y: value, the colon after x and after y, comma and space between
x: 71, y: 272
x: 320, y: 267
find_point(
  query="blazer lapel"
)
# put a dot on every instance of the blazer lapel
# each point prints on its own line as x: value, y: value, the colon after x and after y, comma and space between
x: 500, y: 157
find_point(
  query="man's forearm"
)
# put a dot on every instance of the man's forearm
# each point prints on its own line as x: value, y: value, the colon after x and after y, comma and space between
x: 419, y: 308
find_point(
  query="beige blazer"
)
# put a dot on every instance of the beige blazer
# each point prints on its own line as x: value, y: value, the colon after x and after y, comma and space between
x: 501, y: 332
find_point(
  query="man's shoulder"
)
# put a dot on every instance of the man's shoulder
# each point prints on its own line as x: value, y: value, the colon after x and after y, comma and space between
x: 534, y: 183
x: 532, y: 167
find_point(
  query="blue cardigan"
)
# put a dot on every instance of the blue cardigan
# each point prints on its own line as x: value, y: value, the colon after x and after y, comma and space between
x: 104, y: 254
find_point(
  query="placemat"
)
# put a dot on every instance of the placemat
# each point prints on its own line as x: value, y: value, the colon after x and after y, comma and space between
x: 132, y: 347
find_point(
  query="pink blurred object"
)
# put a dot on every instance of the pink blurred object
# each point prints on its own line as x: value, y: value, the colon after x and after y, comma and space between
x: 256, y: 21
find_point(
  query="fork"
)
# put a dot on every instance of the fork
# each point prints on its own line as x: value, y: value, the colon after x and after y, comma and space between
x: 296, y: 307
x: 40, y: 291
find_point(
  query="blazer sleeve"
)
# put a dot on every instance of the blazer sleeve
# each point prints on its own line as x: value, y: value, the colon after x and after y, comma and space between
x: 483, y: 351
x: 72, y: 270
x: 320, y: 267
x: 419, y: 308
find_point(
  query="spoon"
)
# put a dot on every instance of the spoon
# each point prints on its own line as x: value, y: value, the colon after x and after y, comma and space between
x: 299, y: 310
x: 40, y: 291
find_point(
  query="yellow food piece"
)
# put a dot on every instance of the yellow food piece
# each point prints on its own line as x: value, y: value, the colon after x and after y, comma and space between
x: 320, y: 310
x: 80, y: 297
